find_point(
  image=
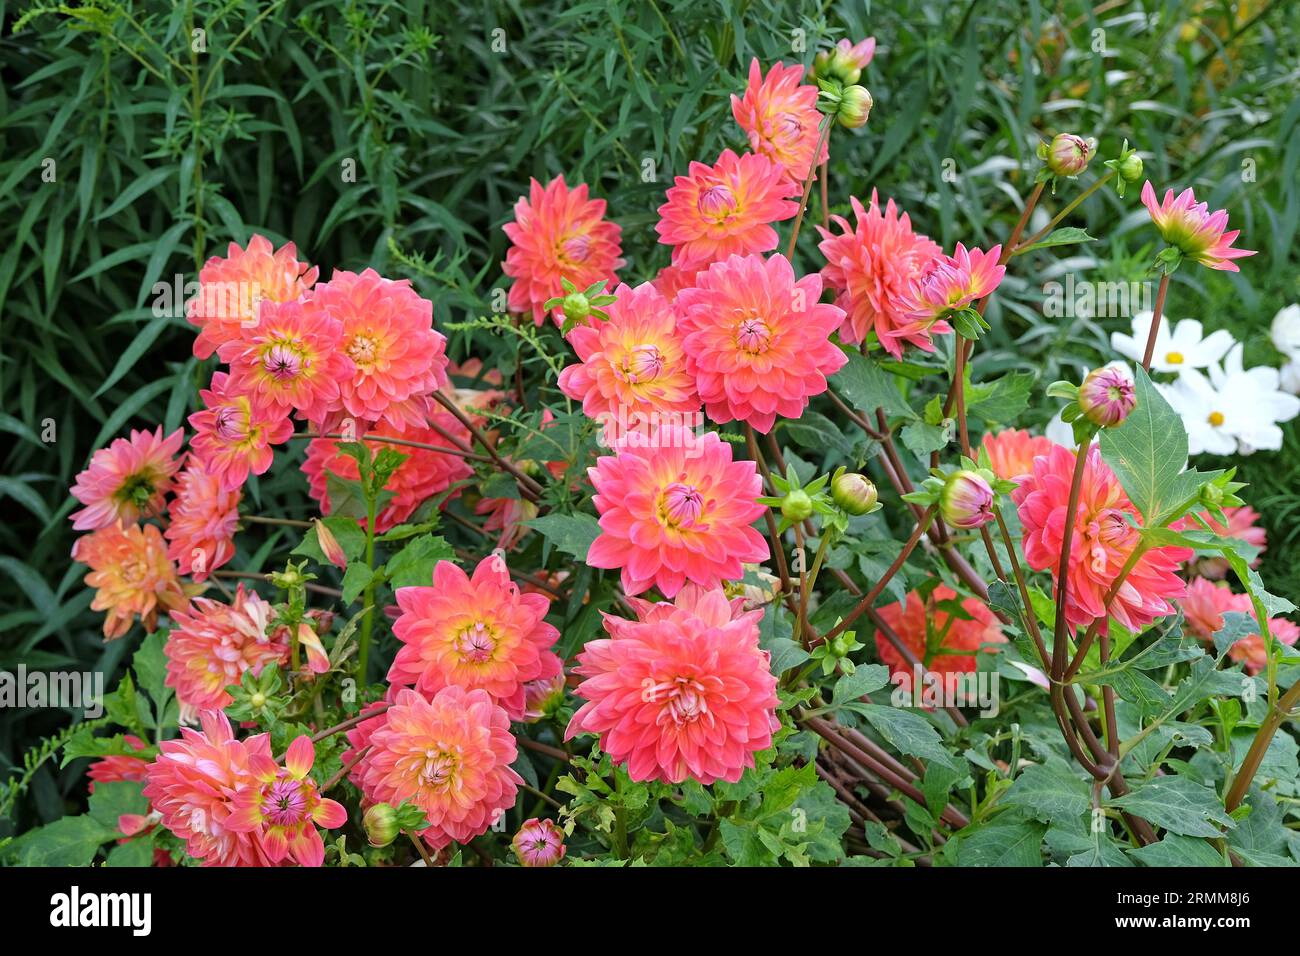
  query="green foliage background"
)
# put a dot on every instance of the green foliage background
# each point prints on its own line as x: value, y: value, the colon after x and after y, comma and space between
x: 162, y: 155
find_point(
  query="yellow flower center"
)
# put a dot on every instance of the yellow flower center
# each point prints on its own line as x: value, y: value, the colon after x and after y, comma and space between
x: 641, y: 364
x: 362, y: 349
x: 753, y: 336
x: 476, y: 643
x: 1215, y: 419
x: 438, y: 768
x: 681, y: 505
x: 717, y: 203
x: 1174, y: 358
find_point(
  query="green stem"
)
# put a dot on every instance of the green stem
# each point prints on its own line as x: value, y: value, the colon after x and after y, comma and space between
x: 1056, y: 220
x: 368, y: 622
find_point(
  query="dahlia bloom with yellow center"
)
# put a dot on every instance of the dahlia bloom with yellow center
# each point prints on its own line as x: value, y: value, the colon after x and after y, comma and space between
x: 1012, y: 452
x: 871, y: 267
x: 232, y: 290
x: 398, y: 359
x: 684, y: 692
x: 212, y: 644
x: 1104, y: 537
x: 194, y: 783
x: 558, y: 233
x: 127, y: 481
x: 946, y: 285
x: 944, y: 643
x: 675, y: 509
x: 757, y: 340
x: 426, y: 472
x: 132, y: 575
x: 203, y: 518
x: 633, y: 362
x: 234, y: 434
x: 283, y: 810
x: 292, y: 360
x: 450, y: 756
x: 476, y: 632
x: 725, y: 209
x: 1197, y: 233
x: 779, y: 115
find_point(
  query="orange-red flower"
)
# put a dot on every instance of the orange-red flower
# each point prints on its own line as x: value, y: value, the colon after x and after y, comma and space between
x: 944, y: 642
x: 558, y: 233
x: 130, y: 569
x: 1012, y: 452
x: 725, y: 209
x: 232, y: 289
x: 779, y: 115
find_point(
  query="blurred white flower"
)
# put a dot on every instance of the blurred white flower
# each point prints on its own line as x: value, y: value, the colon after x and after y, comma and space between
x: 1285, y: 331
x: 1290, y: 376
x: 1234, y: 410
x: 1186, y: 347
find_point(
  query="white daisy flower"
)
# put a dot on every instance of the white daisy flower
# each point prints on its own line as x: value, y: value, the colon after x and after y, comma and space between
x: 1186, y: 347
x: 1234, y: 410
x: 1290, y: 376
x: 1285, y: 331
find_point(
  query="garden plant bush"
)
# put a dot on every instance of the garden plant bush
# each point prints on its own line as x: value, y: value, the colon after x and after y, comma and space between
x: 665, y: 433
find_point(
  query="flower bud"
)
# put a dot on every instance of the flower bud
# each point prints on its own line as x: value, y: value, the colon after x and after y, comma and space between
x: 542, y: 697
x: 855, y: 107
x: 1130, y: 167
x: 853, y: 493
x: 1211, y: 495
x: 1107, y: 395
x: 1068, y: 154
x: 576, y: 307
x: 796, y: 505
x: 539, y: 843
x: 329, y: 545
x: 966, y: 500
x: 381, y: 824
x: 844, y: 62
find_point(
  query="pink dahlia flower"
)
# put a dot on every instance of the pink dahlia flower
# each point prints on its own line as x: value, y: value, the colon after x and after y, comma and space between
x: 539, y: 843
x: 725, y: 209
x: 232, y: 290
x: 966, y: 500
x: 757, y: 340
x: 119, y: 767
x: 673, y: 279
x: 871, y: 267
x: 682, y: 692
x: 127, y: 481
x: 449, y: 756
x: 1190, y: 226
x: 632, y: 364
x: 284, y: 808
x: 676, y: 510
x: 398, y: 359
x: 1203, y: 608
x: 193, y: 785
x: 234, y: 434
x: 203, y: 518
x: 543, y: 695
x: 926, y: 629
x: 558, y: 233
x: 1012, y: 452
x: 424, y: 474
x: 479, y: 632
x: 779, y: 115
x: 291, y: 360
x: 947, y: 285
x: 1243, y: 524
x: 132, y: 575
x: 211, y: 645
x: 1103, y: 540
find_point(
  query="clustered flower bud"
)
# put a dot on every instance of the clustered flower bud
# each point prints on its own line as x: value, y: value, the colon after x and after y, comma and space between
x: 539, y: 843
x: 844, y: 62
x: 1107, y: 395
x: 966, y: 500
x: 796, y: 505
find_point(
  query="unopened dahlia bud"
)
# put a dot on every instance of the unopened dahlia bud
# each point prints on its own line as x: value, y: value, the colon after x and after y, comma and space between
x: 381, y: 824
x: 796, y: 505
x: 853, y: 492
x: 539, y: 843
x: 576, y: 307
x: 1068, y: 154
x: 329, y: 545
x: 855, y: 107
x: 542, y: 696
x: 966, y: 500
x: 844, y: 62
x: 1107, y: 395
x: 1130, y: 167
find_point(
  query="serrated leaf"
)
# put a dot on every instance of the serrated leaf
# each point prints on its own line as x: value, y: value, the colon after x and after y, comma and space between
x: 1179, y: 805
x: 1048, y: 793
x: 571, y: 534
x: 907, y: 732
